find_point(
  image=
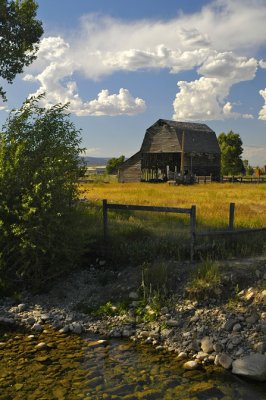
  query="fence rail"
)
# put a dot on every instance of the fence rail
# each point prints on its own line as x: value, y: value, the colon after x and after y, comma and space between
x: 192, y: 214
x: 243, y: 179
x: 190, y: 211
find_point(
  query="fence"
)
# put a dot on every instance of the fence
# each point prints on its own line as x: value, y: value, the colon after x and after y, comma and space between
x: 243, y: 179
x: 190, y: 211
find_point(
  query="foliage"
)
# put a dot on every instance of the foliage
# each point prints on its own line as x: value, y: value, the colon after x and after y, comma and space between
x: 249, y: 170
x: 20, y: 33
x: 39, y: 217
x: 231, y: 149
x: 113, y: 164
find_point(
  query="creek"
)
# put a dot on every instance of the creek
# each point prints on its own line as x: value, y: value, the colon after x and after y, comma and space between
x: 54, y: 366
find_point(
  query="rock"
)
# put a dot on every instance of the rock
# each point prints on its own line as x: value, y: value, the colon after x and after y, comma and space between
x: 236, y: 340
x: 21, y: 307
x: 65, y: 329
x: 76, y: 327
x: 41, y: 346
x: 164, y: 310
x: 229, y: 324
x: 252, y: 319
x: 207, y: 344
x: 217, y: 347
x: 201, y: 355
x: 97, y: 343
x: 259, y: 347
x: 249, y: 295
x: 30, y: 321
x: 252, y: 366
x: 115, y: 333
x: 190, y: 365
x: 172, y: 323
x: 133, y: 295
x: 44, y: 317
x: 37, y: 327
x: 237, y: 327
x: 181, y: 356
x: 127, y: 332
x: 263, y: 296
x: 224, y: 360
x: 239, y: 352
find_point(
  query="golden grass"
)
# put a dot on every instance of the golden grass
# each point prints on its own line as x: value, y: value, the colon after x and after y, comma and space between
x: 212, y: 200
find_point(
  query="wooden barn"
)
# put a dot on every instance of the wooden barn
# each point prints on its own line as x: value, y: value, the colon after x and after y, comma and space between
x: 170, y: 148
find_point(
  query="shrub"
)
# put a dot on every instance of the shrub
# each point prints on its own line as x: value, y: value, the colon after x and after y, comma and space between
x: 39, y: 217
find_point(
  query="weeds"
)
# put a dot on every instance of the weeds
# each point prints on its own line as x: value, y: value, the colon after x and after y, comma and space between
x: 205, y: 281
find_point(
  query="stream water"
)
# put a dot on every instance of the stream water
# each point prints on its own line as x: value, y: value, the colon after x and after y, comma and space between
x: 69, y: 367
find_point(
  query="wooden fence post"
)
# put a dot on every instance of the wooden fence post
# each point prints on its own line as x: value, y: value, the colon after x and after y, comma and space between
x: 231, y: 215
x: 192, y: 231
x: 105, y: 221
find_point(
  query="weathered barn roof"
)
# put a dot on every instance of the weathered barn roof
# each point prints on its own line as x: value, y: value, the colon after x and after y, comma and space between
x: 166, y: 136
x: 131, y: 160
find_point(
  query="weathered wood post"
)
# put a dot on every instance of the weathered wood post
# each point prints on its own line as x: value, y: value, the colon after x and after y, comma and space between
x: 105, y: 221
x: 231, y: 215
x: 192, y: 231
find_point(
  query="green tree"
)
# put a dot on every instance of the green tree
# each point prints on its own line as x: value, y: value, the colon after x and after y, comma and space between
x: 39, y: 216
x: 113, y: 164
x: 20, y: 34
x: 231, y: 151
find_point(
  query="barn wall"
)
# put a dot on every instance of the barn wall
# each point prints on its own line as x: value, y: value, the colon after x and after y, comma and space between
x: 130, y: 171
x: 203, y: 164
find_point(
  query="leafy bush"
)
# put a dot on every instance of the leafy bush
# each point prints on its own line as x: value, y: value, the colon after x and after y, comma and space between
x: 39, y: 218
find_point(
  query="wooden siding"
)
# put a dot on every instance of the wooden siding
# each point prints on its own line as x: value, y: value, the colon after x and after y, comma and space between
x: 130, y: 170
x: 162, y: 139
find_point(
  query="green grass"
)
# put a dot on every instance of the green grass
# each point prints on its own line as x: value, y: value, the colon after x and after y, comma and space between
x: 205, y: 281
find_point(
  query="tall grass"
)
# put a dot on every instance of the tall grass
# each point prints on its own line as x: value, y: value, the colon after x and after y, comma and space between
x: 135, y: 237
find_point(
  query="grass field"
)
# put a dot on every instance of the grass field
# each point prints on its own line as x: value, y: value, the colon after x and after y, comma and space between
x: 212, y: 200
x: 143, y: 236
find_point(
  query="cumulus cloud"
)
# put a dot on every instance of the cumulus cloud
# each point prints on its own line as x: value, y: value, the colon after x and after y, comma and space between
x: 205, y: 98
x: 262, y: 113
x: 103, y: 45
x: 55, y: 80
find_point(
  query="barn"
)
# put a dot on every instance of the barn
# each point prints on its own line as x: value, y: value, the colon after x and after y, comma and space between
x: 170, y: 148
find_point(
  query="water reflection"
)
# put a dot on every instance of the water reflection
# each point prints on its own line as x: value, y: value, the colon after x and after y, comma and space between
x: 56, y: 366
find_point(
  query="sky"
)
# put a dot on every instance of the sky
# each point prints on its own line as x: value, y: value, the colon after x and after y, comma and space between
x: 124, y: 64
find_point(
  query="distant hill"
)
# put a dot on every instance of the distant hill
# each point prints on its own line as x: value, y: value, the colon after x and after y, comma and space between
x: 96, y: 161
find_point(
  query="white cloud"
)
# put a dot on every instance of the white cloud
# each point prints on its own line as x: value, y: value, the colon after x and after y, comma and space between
x: 262, y: 113
x: 262, y: 64
x: 55, y: 80
x: 205, y: 98
x: 256, y: 155
x: 104, y: 45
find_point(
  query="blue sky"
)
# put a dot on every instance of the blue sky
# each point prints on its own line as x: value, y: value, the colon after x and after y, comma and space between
x: 124, y: 64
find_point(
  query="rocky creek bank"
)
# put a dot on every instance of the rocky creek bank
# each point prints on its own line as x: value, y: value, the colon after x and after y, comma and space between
x: 224, y: 328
